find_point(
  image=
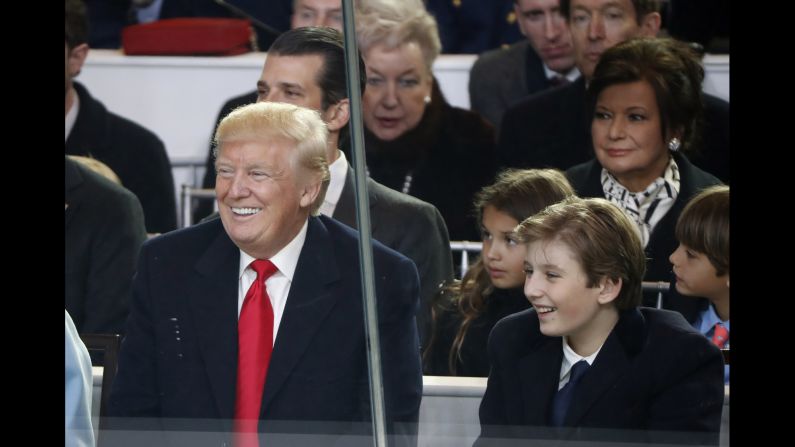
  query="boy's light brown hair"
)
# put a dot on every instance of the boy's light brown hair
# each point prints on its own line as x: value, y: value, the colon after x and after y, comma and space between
x: 600, y: 235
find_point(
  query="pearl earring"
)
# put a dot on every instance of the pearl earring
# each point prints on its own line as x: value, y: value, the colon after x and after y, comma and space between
x: 427, y: 99
x: 674, y: 144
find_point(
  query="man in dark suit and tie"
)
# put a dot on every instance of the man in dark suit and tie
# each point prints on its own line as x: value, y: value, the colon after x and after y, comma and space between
x: 211, y: 346
x: 553, y: 128
x: 502, y: 77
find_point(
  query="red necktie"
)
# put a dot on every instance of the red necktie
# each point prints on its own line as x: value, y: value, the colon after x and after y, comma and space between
x: 254, y: 344
x: 720, y: 336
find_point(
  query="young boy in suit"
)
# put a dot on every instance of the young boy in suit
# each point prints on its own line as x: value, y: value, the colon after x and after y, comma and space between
x: 586, y: 355
x: 701, y: 262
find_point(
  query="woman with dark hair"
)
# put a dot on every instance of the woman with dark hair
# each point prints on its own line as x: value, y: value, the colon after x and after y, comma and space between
x: 466, y: 311
x: 646, y: 101
x: 417, y: 143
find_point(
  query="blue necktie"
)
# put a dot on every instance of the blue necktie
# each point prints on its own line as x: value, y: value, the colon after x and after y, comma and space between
x: 562, y: 400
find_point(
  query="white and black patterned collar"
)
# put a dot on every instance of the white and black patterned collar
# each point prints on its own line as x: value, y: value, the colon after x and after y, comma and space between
x: 646, y: 208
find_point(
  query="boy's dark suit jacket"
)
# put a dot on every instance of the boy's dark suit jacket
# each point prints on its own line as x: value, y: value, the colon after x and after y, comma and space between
x: 187, y: 281
x: 654, y: 372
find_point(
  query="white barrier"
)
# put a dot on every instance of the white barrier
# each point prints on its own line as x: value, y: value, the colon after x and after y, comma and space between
x: 448, y: 412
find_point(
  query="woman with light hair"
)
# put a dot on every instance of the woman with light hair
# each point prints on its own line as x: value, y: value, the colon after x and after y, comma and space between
x: 416, y: 142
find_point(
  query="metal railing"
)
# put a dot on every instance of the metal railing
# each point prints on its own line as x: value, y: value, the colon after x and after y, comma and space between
x: 187, y: 195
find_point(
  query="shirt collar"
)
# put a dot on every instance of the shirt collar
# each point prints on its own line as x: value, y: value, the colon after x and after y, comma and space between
x: 285, y: 260
x: 338, y: 170
x: 71, y: 116
x: 571, y: 75
x: 709, y: 318
x: 570, y: 357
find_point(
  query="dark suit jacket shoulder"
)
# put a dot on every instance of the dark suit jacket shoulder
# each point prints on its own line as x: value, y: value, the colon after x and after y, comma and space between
x: 133, y: 152
x: 548, y: 129
x: 499, y: 79
x: 712, y: 151
x: 104, y: 226
x: 187, y: 281
x: 654, y: 372
x: 410, y: 226
x: 586, y: 181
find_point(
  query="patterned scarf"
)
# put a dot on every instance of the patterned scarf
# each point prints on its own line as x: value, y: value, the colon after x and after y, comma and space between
x: 648, y: 207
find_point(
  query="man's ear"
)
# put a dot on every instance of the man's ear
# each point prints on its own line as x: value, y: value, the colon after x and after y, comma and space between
x: 650, y: 24
x: 77, y: 57
x: 609, y: 290
x: 517, y: 14
x: 310, y: 191
x: 337, y: 115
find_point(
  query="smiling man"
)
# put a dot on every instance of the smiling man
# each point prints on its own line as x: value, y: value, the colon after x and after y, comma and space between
x: 306, y: 13
x: 306, y: 67
x: 256, y: 315
x: 502, y: 77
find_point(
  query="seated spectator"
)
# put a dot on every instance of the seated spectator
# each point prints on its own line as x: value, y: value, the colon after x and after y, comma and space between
x: 310, y: 60
x: 294, y: 347
x: 586, y: 361
x: 416, y: 142
x: 474, y: 26
x: 79, y: 387
x: 544, y: 58
x: 701, y: 262
x: 492, y: 287
x: 305, y: 13
x: 552, y: 127
x: 640, y: 143
x: 134, y: 153
x: 104, y: 232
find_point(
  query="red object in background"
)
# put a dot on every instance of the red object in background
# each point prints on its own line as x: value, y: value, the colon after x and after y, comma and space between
x: 193, y: 36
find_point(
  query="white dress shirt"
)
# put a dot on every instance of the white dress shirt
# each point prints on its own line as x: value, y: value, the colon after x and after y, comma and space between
x: 570, y: 76
x: 278, y: 285
x: 338, y: 171
x: 71, y: 116
x: 570, y: 358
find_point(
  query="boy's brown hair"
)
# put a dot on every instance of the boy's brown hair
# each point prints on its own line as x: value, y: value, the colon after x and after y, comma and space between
x: 604, y: 240
x: 703, y: 226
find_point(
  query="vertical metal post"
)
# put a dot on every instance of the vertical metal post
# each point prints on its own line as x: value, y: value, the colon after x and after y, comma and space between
x: 363, y: 221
